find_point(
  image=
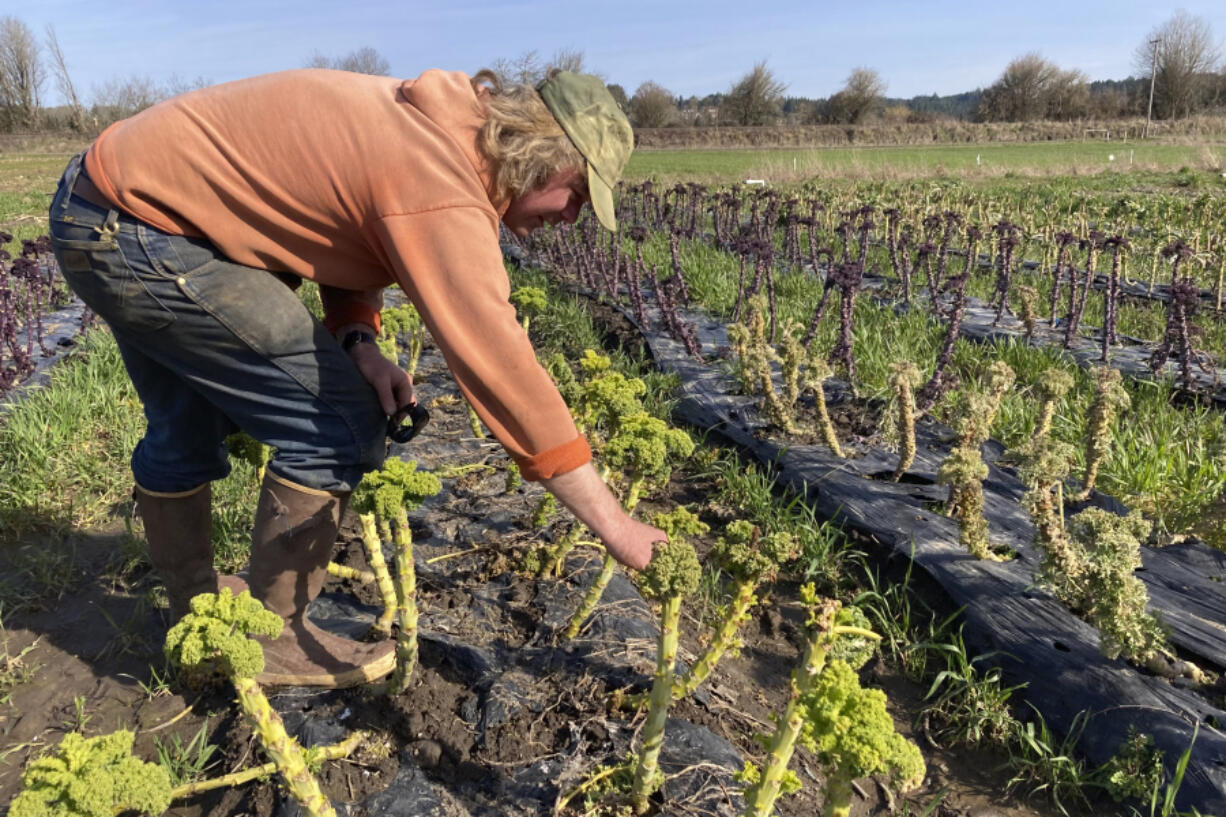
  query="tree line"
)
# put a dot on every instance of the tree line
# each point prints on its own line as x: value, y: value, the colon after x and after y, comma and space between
x: 1179, y: 59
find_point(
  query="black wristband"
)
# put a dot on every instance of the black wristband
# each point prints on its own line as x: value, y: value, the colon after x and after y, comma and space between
x: 355, y: 337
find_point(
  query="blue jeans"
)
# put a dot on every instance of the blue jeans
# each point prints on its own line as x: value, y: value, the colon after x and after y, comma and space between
x: 213, y: 347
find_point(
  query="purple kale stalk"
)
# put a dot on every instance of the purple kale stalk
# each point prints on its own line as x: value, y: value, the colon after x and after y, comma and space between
x: 941, y: 380
x: 1177, y: 339
x: 847, y: 277
x: 634, y: 274
x: 1007, y: 239
x: 1064, y: 243
x: 674, y: 251
x: 1079, y: 292
x: 952, y: 221
x: 906, y: 239
x: 827, y: 288
x: 1119, y: 246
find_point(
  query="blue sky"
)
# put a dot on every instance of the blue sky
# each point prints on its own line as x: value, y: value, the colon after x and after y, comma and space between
x: 688, y: 47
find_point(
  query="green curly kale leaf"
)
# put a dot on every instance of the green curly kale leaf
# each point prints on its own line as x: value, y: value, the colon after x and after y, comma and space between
x: 399, y: 484
x: 91, y: 777
x: 216, y: 630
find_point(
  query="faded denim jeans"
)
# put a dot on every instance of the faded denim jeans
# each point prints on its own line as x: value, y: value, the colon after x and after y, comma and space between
x: 213, y: 347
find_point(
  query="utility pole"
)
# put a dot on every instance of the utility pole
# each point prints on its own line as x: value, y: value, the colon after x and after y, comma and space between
x: 1153, y: 72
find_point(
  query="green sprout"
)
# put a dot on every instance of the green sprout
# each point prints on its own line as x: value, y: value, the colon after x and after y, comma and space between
x: 564, y: 378
x: 1050, y: 387
x: 852, y: 735
x: 817, y: 372
x: 215, y: 634
x: 904, y: 377
x: 672, y: 574
x: 792, y: 356
x: 1028, y: 297
x: 964, y: 470
x: 1114, y: 599
x: 92, y: 777
x: 529, y: 301
x: 1044, y: 466
x: 514, y: 478
x: 245, y: 448
x: 598, y: 405
x: 841, y: 636
x: 755, y: 369
x: 403, y: 325
x: 1110, y: 397
x: 643, y: 451
x: 749, y: 558
x: 474, y: 423
x: 381, y: 498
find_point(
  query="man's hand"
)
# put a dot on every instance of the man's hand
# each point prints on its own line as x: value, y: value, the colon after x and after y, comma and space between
x: 634, y: 542
x: 391, y: 383
x: 627, y: 540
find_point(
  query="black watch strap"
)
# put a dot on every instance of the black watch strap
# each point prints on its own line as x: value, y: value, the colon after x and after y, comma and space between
x: 355, y: 337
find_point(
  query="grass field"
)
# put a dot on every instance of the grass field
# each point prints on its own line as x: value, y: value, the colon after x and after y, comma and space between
x: 27, y: 182
x: 969, y: 161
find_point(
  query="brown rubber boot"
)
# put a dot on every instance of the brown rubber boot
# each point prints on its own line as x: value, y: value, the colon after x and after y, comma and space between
x: 295, y: 530
x: 178, y: 527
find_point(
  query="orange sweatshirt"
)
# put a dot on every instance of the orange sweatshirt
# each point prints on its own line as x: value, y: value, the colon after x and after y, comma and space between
x: 355, y: 182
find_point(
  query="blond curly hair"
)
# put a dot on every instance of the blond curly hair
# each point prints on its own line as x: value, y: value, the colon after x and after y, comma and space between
x: 521, y: 139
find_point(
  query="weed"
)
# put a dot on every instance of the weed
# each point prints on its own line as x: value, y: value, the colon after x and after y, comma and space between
x: 157, y: 685
x: 186, y: 763
x: 15, y: 670
x: 748, y: 492
x: 891, y: 606
x: 966, y: 705
x: 1042, y: 763
x: 78, y: 718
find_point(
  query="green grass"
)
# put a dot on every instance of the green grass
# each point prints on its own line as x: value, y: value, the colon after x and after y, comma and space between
x: 64, y: 453
x: 971, y: 161
x: 27, y: 183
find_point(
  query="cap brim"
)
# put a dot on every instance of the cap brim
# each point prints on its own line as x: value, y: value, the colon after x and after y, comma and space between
x: 602, y: 199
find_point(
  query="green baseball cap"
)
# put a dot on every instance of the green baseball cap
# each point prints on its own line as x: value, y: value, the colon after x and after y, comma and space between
x: 600, y: 131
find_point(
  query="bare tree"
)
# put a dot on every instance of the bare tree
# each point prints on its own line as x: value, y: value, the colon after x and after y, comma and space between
x: 529, y: 69
x: 652, y: 106
x: 863, y: 93
x: 568, y: 59
x: 1020, y: 93
x: 1032, y: 87
x: 364, y: 60
x: 1186, y: 58
x: 318, y: 59
x: 118, y: 98
x: 619, y: 96
x: 754, y: 99
x: 21, y: 74
x: 1068, y: 95
x: 176, y: 85
x: 524, y: 69
x: 59, y: 67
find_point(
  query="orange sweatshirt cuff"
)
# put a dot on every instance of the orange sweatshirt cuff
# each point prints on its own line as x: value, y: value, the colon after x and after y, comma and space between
x: 354, y: 312
x: 555, y: 461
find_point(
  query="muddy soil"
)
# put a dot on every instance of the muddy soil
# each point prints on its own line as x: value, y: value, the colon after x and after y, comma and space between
x: 502, y: 715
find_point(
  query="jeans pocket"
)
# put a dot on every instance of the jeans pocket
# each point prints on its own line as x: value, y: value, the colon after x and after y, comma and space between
x: 98, y: 273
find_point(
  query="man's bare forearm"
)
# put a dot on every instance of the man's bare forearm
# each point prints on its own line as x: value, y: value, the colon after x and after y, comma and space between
x: 588, y: 498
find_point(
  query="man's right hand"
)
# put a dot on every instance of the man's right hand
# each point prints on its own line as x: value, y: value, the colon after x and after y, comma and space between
x: 634, y: 545
x: 391, y: 383
x: 585, y: 494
